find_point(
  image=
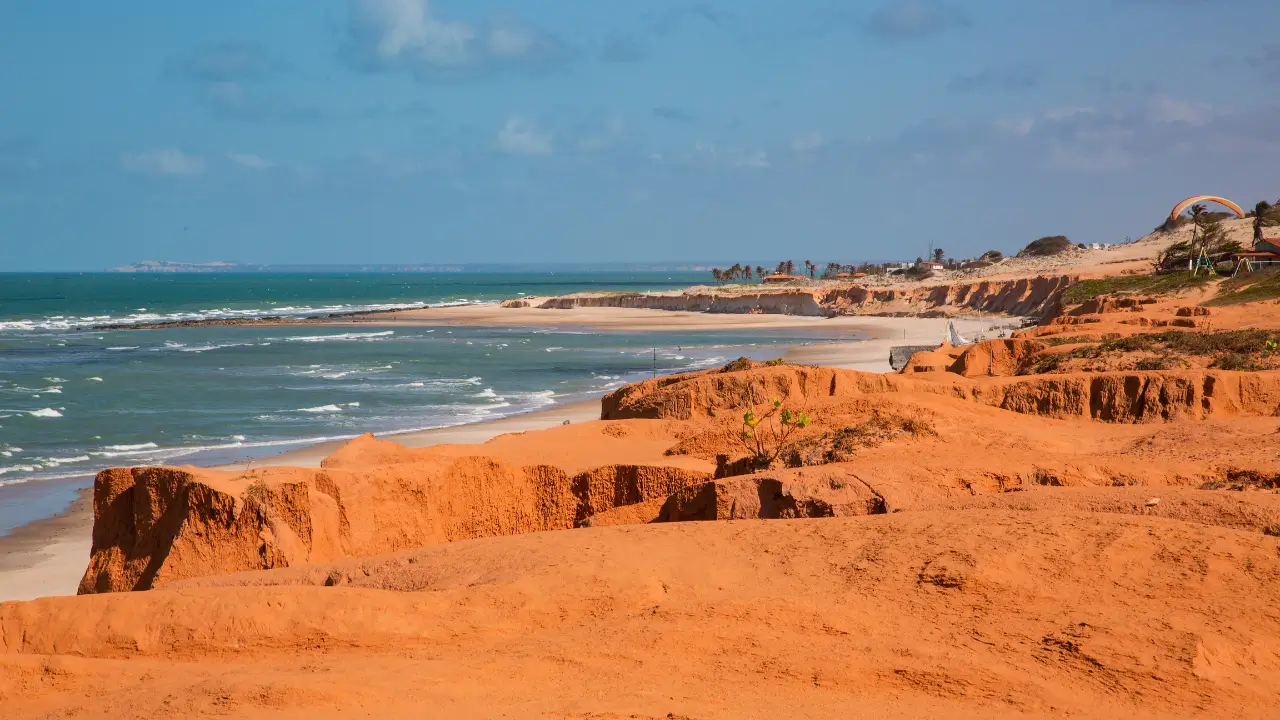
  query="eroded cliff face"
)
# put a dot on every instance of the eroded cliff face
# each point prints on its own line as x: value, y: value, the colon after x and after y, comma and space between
x: 1121, y: 397
x: 1027, y: 297
x: 670, y: 449
x: 153, y: 526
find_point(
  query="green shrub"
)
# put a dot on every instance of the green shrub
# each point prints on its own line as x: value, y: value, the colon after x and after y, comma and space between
x: 768, y: 437
x: 1158, y: 363
x: 1046, y: 246
x: 1250, y: 287
x: 1235, y: 361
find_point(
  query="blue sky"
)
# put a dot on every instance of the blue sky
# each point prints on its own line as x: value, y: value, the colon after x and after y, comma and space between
x: 506, y: 130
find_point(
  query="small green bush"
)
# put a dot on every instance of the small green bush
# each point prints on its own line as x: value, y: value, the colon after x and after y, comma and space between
x: 1235, y: 361
x: 1046, y: 246
x: 1157, y: 363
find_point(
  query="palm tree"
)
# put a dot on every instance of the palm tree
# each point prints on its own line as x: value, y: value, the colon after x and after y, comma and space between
x: 1197, y: 219
x: 809, y: 268
x: 1260, y: 213
x: 760, y: 272
x: 718, y: 274
x: 746, y: 272
x: 1197, y: 213
x: 939, y: 254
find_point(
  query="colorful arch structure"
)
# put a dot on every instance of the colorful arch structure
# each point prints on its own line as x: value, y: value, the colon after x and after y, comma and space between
x: 1177, y: 209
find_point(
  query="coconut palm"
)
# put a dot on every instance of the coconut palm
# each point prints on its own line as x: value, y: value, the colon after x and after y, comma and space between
x: 1197, y: 214
x: 760, y: 272
x: 1261, y: 218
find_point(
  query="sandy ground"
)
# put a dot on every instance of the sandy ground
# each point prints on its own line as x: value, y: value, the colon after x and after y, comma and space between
x: 49, y: 556
x: 643, y: 320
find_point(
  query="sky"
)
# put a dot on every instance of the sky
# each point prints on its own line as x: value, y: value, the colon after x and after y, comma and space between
x: 408, y: 131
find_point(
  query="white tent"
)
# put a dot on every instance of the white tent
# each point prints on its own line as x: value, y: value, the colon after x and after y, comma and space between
x: 954, y: 337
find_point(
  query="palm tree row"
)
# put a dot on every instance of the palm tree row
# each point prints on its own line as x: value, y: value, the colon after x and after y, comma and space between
x: 743, y: 273
x: 737, y: 273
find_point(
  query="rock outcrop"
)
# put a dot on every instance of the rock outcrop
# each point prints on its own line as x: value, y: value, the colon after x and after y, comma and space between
x: 153, y: 526
x: 786, y: 494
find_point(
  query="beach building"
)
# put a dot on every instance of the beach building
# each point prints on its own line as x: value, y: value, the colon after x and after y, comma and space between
x: 931, y: 265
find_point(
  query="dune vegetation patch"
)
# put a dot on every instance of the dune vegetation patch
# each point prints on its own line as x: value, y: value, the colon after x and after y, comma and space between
x: 1171, y: 350
x: 1252, y: 287
x: 1167, y: 284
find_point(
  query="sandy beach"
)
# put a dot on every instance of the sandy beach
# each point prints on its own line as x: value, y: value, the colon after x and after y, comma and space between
x: 47, y: 557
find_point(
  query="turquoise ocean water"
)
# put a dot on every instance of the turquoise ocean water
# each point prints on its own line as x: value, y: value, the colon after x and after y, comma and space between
x: 74, y: 400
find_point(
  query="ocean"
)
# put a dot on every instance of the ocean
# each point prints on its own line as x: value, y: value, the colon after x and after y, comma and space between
x: 74, y: 400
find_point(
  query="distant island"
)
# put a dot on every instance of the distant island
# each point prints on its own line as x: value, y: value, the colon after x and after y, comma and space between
x: 165, y: 266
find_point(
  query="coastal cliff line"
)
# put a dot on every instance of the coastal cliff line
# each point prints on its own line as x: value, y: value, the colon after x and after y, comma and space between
x: 1031, y: 297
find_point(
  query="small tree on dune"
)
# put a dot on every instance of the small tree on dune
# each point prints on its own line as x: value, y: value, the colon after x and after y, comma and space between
x: 939, y: 254
x: 767, y: 436
x: 1197, y: 214
x: 809, y: 268
x: 1264, y: 215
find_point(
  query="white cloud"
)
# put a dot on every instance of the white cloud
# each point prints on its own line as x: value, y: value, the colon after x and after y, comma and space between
x: 808, y: 141
x: 1062, y: 114
x: 407, y: 29
x: 508, y: 38
x: 522, y: 137
x: 709, y: 155
x: 167, y: 161
x: 607, y: 137
x: 407, y: 35
x: 754, y: 159
x: 1170, y: 110
x: 1020, y: 127
x: 249, y: 161
x: 905, y: 19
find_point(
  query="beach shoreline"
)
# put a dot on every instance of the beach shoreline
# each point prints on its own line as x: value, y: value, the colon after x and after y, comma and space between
x: 48, y: 556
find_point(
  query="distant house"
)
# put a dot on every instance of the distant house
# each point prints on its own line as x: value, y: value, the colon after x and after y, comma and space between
x: 783, y: 279
x: 931, y: 265
x: 1267, y: 245
x: 1265, y: 253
